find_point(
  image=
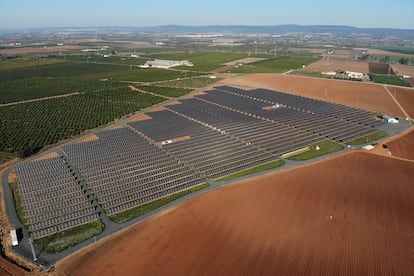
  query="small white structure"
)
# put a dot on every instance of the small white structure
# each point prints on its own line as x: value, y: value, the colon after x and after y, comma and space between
x: 368, y: 147
x: 355, y: 75
x: 329, y: 73
x: 90, y: 50
x: 317, y: 148
x: 166, y: 64
x: 167, y: 142
x: 390, y: 120
x: 13, y: 236
x: 106, y: 56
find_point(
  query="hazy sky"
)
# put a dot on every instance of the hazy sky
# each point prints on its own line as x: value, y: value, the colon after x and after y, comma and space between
x: 76, y: 13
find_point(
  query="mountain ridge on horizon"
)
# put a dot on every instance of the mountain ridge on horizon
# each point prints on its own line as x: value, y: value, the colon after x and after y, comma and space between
x: 244, y: 29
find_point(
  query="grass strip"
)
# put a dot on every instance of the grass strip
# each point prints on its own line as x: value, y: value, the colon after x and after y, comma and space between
x: 68, y: 238
x: 257, y: 169
x: 146, y: 208
x: 325, y: 147
x: 369, y: 138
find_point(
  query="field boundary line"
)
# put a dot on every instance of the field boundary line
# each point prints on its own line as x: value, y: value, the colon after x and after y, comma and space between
x: 395, y: 100
x: 134, y: 88
x: 42, y: 99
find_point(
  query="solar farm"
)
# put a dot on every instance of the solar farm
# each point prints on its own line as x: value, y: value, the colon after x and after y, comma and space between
x: 201, y: 139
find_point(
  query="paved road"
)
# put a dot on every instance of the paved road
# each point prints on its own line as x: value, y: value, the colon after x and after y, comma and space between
x: 47, y: 260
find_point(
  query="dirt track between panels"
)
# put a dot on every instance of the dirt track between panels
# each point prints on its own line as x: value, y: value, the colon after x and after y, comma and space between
x: 349, y: 215
x: 361, y: 95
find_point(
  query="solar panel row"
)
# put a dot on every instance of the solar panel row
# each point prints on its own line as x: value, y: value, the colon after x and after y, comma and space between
x: 52, y: 197
x: 211, y: 152
x: 124, y: 170
x: 287, y: 113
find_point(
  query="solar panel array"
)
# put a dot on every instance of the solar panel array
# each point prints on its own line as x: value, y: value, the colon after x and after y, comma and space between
x: 52, y: 197
x: 219, y: 133
x: 272, y: 136
x: 290, y: 110
x: 123, y: 170
x: 211, y: 152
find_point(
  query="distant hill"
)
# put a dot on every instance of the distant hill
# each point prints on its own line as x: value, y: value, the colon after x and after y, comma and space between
x: 238, y: 29
x: 282, y: 29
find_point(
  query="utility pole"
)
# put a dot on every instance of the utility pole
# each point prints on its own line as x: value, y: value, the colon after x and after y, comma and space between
x: 33, y: 251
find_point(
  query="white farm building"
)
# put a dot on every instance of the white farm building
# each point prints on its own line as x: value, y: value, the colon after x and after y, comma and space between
x: 165, y: 64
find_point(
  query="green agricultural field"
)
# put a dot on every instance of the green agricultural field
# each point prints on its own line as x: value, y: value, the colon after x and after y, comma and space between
x: 166, y: 91
x: 41, y: 123
x: 369, y: 138
x: 203, y: 61
x: 325, y: 148
x: 143, y: 209
x: 15, y: 64
x: 275, y: 65
x: 59, y: 70
x: 32, y: 88
x: 149, y: 75
x: 257, y: 169
x: 6, y: 156
x: 192, y: 83
x: 402, y: 50
x: 31, y: 79
x: 111, y: 59
x: 394, y: 80
x: 70, y: 237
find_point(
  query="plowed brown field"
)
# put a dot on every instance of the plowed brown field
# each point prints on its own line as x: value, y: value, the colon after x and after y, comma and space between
x: 400, y: 69
x: 350, y: 215
x: 362, y: 95
x: 7, y: 268
x: 403, y: 147
x: 405, y: 96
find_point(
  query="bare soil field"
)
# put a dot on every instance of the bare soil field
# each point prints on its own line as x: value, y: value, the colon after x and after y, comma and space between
x: 405, y: 96
x: 324, y: 65
x: 361, y: 95
x: 141, y: 117
x: 344, y: 54
x: 89, y: 138
x: 403, y: 147
x: 349, y: 215
x: 40, y: 49
x: 7, y: 268
x: 403, y: 70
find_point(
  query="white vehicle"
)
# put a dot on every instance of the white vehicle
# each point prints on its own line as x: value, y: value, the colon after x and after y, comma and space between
x: 14, y: 237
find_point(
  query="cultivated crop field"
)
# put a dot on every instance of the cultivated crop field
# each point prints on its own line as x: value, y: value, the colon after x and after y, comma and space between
x: 275, y: 65
x: 166, y: 91
x: 203, y: 61
x: 393, y: 80
x: 45, y: 101
x: 41, y: 123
